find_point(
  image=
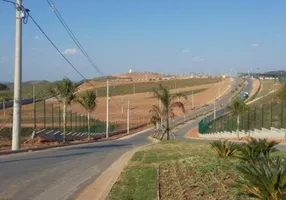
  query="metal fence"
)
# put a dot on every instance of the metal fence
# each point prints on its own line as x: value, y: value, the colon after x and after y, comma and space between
x: 44, y: 115
x: 263, y: 116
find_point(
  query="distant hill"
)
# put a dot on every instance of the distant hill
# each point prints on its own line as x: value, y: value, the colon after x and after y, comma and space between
x: 278, y: 72
x: 136, y: 76
x: 28, y: 83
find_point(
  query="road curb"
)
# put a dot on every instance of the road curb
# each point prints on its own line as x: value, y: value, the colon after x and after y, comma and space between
x: 34, y: 149
x: 102, y: 186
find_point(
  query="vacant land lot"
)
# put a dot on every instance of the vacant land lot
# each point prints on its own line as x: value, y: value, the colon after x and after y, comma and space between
x: 117, y: 88
x: 140, y: 104
x: 266, y: 87
x: 178, y: 170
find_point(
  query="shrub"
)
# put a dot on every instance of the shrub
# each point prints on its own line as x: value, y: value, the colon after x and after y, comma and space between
x: 224, y: 148
x: 263, y: 179
x: 251, y: 151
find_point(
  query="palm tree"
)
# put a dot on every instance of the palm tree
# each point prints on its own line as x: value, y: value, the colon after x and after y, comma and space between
x: 65, y: 92
x: 168, y: 101
x: 238, y: 108
x: 88, y: 101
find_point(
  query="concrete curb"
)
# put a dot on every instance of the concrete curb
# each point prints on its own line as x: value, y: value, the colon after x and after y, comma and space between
x: 102, y: 186
x: 66, y: 145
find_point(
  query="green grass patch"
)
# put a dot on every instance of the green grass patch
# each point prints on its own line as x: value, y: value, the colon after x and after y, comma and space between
x: 187, y: 170
x: 27, y: 91
x: 133, y: 179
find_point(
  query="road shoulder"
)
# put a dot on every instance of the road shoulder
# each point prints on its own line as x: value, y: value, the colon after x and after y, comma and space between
x: 101, y: 187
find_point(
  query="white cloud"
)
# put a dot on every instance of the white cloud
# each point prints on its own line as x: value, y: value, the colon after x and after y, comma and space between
x: 254, y: 45
x: 197, y: 59
x: 36, y: 37
x: 70, y: 51
x: 186, y: 50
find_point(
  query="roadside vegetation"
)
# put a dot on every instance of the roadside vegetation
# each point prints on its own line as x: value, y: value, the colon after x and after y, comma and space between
x: 162, y: 113
x: 199, y: 170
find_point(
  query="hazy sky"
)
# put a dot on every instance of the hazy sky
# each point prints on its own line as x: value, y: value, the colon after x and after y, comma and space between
x: 170, y: 36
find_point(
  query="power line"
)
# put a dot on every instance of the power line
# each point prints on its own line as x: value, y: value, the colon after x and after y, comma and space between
x: 73, y: 37
x: 56, y: 47
x: 63, y: 22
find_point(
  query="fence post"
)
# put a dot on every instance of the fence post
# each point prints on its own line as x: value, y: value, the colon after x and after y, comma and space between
x: 282, y: 109
x: 75, y: 121
x: 248, y: 123
x: 271, y: 114
x: 262, y: 116
x: 44, y: 114
x: 71, y: 121
x: 242, y: 122
x: 52, y: 116
x: 35, y: 114
x: 60, y: 117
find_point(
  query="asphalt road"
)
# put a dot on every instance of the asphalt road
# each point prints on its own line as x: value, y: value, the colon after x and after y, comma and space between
x: 59, y: 174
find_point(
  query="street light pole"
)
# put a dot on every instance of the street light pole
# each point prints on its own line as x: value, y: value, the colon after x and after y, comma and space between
x: 16, y: 131
x: 107, y: 108
x: 128, y: 116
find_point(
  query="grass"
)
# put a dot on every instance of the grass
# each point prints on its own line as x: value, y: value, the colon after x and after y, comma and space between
x: 186, y: 171
x: 148, y: 86
x: 27, y: 91
x: 267, y: 86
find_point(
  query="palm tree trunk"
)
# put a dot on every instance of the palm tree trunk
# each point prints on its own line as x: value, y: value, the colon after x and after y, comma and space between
x: 88, y: 125
x: 237, y: 128
x: 64, y: 121
x: 167, y: 124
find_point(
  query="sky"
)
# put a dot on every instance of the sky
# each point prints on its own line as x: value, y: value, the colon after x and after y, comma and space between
x: 166, y: 36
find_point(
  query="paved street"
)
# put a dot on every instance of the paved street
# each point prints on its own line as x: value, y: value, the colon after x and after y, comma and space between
x: 62, y: 173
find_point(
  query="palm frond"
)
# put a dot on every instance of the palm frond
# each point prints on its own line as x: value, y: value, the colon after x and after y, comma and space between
x: 238, y: 107
x: 88, y: 100
x: 265, y: 179
x: 64, y: 90
x: 252, y: 150
x: 179, y: 95
x: 179, y: 105
x: 224, y: 148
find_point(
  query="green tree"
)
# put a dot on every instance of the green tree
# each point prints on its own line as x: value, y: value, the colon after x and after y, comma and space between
x: 3, y: 87
x: 88, y: 101
x: 168, y: 101
x: 65, y: 92
x: 238, y: 108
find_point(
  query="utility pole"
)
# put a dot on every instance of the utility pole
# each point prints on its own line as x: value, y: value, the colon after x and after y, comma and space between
x: 122, y: 109
x: 128, y: 116
x: 107, y: 108
x: 17, y: 79
x: 34, y: 112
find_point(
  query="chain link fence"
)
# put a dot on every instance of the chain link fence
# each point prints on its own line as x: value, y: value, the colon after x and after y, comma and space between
x: 258, y: 117
x: 49, y: 116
